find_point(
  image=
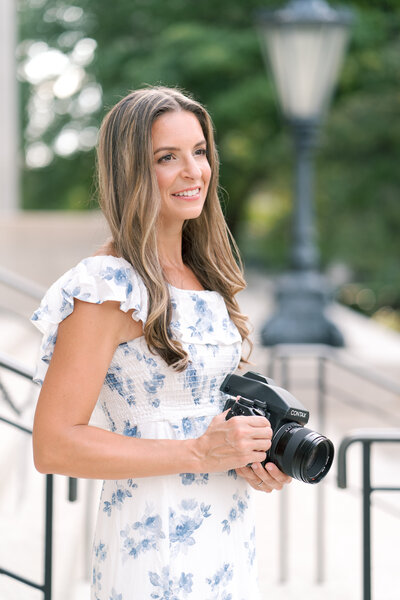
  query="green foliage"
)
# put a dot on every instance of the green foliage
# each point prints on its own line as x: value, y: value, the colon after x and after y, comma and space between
x: 359, y: 181
x: 211, y: 49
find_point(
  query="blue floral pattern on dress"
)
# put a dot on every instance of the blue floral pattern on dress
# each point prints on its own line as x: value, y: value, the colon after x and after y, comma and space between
x: 159, y: 537
x: 99, y: 555
x: 119, y: 496
x: 193, y: 381
x: 106, y: 411
x: 124, y: 386
x: 142, y: 536
x: 199, y: 479
x: 250, y: 546
x: 119, y: 276
x: 185, y: 523
x: 236, y: 512
x: 189, y: 428
x: 96, y: 579
x: 170, y: 588
x: 221, y: 577
x: 131, y: 430
x: 153, y: 386
x: 204, y: 322
x: 100, y: 551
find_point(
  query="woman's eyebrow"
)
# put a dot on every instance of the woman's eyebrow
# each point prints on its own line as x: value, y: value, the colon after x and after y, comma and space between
x: 173, y: 148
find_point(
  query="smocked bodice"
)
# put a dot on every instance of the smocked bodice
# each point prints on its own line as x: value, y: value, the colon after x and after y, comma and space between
x: 139, y: 386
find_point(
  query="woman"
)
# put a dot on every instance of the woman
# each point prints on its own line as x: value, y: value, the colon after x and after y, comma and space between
x: 147, y: 331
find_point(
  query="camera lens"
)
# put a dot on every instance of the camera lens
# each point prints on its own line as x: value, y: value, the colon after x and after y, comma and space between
x: 301, y: 453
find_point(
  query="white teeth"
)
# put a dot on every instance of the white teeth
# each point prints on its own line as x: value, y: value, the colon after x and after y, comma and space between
x: 188, y: 193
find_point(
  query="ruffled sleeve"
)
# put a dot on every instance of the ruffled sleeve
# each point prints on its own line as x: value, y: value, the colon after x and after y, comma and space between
x: 96, y: 279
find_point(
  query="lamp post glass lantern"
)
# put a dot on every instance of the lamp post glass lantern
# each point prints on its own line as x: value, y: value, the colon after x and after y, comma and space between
x: 303, y: 45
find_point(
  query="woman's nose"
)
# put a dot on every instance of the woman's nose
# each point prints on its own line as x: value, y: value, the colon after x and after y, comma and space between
x: 191, y: 168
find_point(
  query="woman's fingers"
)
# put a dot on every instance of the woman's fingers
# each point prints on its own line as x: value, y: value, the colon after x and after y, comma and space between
x: 264, y: 479
x: 253, y: 421
x: 234, y: 443
x: 249, y: 436
x: 270, y: 478
x: 241, y: 441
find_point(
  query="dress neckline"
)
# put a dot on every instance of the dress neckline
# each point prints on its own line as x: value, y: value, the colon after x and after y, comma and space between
x: 119, y: 258
x: 191, y: 291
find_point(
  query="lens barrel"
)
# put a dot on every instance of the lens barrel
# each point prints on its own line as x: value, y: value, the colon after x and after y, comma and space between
x: 301, y: 453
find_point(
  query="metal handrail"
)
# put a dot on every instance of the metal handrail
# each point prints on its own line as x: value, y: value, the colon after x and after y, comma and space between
x: 323, y: 355
x: 335, y: 356
x: 21, y: 284
x: 17, y: 367
x: 48, y: 545
x: 34, y: 290
x: 366, y: 437
x: 6, y: 396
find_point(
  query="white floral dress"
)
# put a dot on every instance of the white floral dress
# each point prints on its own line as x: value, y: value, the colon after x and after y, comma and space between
x: 176, y: 537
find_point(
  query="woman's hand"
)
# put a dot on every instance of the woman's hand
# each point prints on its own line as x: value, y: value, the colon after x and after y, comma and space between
x: 234, y: 443
x: 264, y: 479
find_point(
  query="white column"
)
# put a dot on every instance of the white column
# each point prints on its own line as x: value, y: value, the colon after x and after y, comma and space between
x: 9, y: 130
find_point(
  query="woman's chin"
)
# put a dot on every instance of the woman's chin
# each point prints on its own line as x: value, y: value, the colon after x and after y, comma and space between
x: 188, y: 214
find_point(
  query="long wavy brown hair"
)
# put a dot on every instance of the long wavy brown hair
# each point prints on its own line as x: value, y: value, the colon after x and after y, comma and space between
x: 130, y: 201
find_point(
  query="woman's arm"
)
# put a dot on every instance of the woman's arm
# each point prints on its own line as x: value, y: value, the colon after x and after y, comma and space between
x: 64, y: 443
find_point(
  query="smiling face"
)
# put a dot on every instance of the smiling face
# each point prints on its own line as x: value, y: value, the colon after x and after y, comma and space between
x: 181, y: 166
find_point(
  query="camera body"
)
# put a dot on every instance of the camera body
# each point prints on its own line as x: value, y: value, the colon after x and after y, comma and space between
x: 296, y: 450
x: 276, y: 403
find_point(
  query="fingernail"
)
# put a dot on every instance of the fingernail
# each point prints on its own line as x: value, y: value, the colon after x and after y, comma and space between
x: 269, y: 467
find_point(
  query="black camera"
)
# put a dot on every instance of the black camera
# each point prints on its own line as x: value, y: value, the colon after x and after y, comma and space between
x: 297, y: 451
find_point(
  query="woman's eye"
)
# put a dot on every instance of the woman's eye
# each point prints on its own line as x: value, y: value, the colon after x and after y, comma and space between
x: 165, y: 158
x: 201, y: 152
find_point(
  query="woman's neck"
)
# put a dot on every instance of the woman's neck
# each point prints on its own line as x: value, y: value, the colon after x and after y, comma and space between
x: 170, y: 248
x: 170, y: 255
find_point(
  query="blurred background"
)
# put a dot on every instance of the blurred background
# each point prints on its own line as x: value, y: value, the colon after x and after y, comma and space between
x: 64, y: 65
x: 75, y: 60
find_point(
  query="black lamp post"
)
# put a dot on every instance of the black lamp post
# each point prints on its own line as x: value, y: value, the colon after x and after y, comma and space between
x: 304, y: 44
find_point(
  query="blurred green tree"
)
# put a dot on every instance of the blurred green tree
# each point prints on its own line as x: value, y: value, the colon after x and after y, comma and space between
x: 76, y: 60
x: 208, y: 48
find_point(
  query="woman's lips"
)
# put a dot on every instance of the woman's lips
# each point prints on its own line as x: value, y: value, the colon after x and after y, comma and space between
x: 188, y: 193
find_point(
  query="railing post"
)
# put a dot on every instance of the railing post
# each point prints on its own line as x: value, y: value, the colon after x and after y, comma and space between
x: 7, y: 399
x: 320, y: 522
x: 72, y: 489
x: 48, y: 556
x: 367, y: 519
x: 271, y: 364
x: 366, y: 437
x: 284, y: 502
